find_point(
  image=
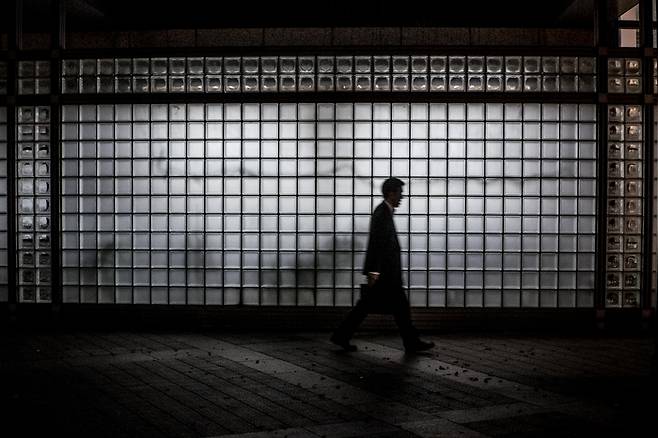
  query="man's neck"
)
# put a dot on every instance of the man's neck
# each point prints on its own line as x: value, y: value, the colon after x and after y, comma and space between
x: 390, y: 207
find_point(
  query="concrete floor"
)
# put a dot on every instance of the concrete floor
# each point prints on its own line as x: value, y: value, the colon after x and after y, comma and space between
x: 259, y: 384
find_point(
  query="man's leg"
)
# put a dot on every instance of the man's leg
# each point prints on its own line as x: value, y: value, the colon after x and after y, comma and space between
x: 346, y: 329
x: 409, y: 334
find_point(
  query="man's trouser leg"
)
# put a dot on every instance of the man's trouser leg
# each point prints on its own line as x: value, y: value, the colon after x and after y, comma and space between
x: 346, y: 329
x: 402, y: 315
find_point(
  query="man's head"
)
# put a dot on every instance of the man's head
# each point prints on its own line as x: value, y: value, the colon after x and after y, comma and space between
x: 392, y: 191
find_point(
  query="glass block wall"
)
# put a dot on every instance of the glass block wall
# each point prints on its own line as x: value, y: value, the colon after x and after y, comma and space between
x: 269, y: 204
x: 4, y: 258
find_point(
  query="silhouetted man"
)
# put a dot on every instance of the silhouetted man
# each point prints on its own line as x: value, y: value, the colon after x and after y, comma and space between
x: 384, y: 292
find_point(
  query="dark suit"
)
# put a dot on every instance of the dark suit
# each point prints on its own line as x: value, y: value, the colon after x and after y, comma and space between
x: 387, y: 294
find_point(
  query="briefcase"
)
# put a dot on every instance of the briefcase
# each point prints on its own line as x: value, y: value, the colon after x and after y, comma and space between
x: 377, y: 299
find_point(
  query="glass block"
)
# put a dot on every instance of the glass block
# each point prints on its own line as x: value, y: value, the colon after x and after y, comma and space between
x: 70, y: 85
x: 615, y: 169
x: 586, y: 83
x: 232, y: 65
x: 550, y: 83
x: 325, y: 83
x: 287, y: 83
x: 400, y: 83
x: 531, y: 64
x: 42, y: 69
x: 614, y: 243
x: 615, y: 131
x: 631, y: 299
x: 159, y: 84
x: 475, y: 83
x: 457, y: 64
x: 159, y: 66
x: 475, y: 64
x: 306, y: 64
x: 633, y: 85
x: 613, y: 262
x: 550, y: 64
x: 176, y: 84
x: 42, y: 86
x: 141, y: 84
x: 326, y: 64
x: 194, y: 66
x: 71, y: 67
x: 633, y: 206
x: 633, y: 169
x: 306, y: 83
x: 633, y: 132
x: 26, y: 169
x: 632, y: 225
x: 438, y: 83
x: 456, y: 83
x: 419, y: 64
x: 615, y: 66
x: 122, y: 66
x: 43, y: 150
x: 26, y: 86
x: 532, y: 83
x: 44, y: 294
x: 231, y: 83
x: 26, y: 241
x: 633, y: 188
x: 494, y: 64
x: 26, y: 258
x: 633, y: 151
x: 343, y: 65
x: 614, y: 225
x: 612, y: 298
x: 400, y: 64
x: 88, y: 67
x: 268, y: 83
x: 633, y: 113
x: 195, y: 84
x: 362, y: 83
x: 26, y: 69
x: 213, y: 66
x: 615, y: 113
x: 28, y: 294
x: 141, y: 66
x: 106, y: 84
x: 615, y: 84
x: 568, y: 83
x: 287, y: 64
x: 613, y: 280
x: 419, y: 83
x: 382, y: 83
x: 250, y: 83
x: 438, y: 64
x: 633, y: 67
x: 587, y: 65
x: 615, y: 206
x: 343, y: 83
x: 512, y: 83
x: 123, y: 84
x: 513, y: 64
x: 615, y: 150
x: 362, y: 64
x: 568, y: 64
x: 177, y: 66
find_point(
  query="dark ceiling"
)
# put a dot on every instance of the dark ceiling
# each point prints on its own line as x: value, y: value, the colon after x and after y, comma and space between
x: 168, y: 14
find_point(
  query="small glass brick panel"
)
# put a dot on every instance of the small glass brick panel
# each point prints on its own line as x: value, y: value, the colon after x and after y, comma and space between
x: 33, y: 219
x: 269, y: 204
x: 624, y: 209
x: 3, y: 77
x: 624, y: 75
x: 33, y: 77
x: 4, y: 258
x: 288, y: 74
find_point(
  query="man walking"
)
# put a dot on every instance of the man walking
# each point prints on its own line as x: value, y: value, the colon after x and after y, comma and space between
x: 383, y: 269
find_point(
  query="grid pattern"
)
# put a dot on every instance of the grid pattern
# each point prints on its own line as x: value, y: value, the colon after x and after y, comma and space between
x: 624, y: 75
x: 269, y: 204
x: 33, y: 77
x: 624, y: 259
x: 329, y: 73
x: 3, y: 77
x: 4, y: 262
x: 33, y: 200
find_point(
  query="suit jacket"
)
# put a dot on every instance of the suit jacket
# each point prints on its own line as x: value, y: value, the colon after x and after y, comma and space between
x: 383, y: 254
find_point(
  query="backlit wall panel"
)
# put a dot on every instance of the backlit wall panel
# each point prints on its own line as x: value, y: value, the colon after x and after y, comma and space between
x: 4, y: 259
x: 269, y: 204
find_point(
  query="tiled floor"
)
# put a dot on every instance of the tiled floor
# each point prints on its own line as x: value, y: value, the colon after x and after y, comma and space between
x: 152, y: 384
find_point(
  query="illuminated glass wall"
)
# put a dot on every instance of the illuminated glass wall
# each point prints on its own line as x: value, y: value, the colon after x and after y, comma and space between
x: 269, y: 204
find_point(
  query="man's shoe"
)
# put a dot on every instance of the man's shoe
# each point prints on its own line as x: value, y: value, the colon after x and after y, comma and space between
x: 343, y: 343
x: 418, y: 346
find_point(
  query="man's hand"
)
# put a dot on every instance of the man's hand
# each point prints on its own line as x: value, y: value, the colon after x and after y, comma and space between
x: 372, y: 278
